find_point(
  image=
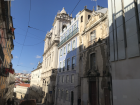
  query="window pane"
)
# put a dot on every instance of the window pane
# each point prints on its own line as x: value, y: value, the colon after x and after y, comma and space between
x: 72, y: 79
x: 73, y: 44
x: 92, y: 61
x: 64, y: 63
x: 73, y: 60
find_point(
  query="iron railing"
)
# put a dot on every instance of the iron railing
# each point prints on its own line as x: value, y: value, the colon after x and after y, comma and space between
x: 68, y: 37
x: 1, y: 53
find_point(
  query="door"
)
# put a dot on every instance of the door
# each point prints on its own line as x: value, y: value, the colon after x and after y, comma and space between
x: 107, y: 96
x: 72, y: 97
x: 93, y: 93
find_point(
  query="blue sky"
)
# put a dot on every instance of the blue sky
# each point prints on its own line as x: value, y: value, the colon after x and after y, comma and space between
x: 42, y: 15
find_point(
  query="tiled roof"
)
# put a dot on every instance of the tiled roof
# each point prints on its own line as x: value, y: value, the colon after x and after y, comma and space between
x: 23, y: 84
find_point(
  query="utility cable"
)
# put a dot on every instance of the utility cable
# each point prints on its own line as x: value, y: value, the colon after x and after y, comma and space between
x: 29, y: 36
x: 26, y: 34
x: 30, y: 45
x: 37, y: 29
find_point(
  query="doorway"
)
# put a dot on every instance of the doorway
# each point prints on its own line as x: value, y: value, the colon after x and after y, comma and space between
x: 72, y: 97
x: 93, y: 93
x: 107, y: 96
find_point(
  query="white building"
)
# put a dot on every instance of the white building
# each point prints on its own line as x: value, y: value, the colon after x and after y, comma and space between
x: 67, y: 89
x: 35, y: 90
x: 50, y: 56
x: 124, y: 38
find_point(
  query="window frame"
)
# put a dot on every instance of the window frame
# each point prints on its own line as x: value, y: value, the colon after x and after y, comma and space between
x: 67, y: 79
x: 90, y: 60
x: 73, y: 44
x: 93, y: 35
x: 72, y: 79
x: 68, y: 47
x: 63, y: 65
x: 64, y: 50
x: 67, y: 95
x: 74, y: 62
x: 67, y: 63
x: 61, y: 52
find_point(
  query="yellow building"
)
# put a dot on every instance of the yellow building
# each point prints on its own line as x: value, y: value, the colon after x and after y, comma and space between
x: 93, y: 58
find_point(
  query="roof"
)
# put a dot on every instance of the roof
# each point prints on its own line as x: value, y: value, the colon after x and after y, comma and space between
x: 24, y: 85
x: 104, y: 10
x: 63, y: 11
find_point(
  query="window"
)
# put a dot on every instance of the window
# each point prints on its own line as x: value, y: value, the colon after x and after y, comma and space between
x: 74, y: 26
x: 88, y: 16
x: 68, y: 47
x: 63, y: 79
x: 92, y: 61
x: 63, y: 65
x: 69, y: 31
x: 64, y: 50
x: 61, y: 94
x: 60, y: 67
x: 68, y: 64
x: 67, y: 79
x: 67, y: 95
x: 61, y: 52
x: 93, y: 35
x: 81, y: 18
x: 73, y: 62
x: 59, y: 78
x: 72, y: 78
x: 73, y: 44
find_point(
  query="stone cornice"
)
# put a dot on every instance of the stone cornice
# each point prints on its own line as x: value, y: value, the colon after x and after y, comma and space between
x: 96, y: 23
x: 54, y: 42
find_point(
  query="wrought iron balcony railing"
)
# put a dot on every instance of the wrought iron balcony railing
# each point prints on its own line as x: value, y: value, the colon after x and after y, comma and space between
x: 1, y: 53
x: 68, y: 37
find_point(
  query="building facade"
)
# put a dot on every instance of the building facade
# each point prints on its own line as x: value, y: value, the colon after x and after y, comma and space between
x: 35, y: 90
x: 95, y: 75
x: 49, y: 66
x: 6, y: 47
x: 67, y: 89
x: 22, y: 91
x: 124, y: 44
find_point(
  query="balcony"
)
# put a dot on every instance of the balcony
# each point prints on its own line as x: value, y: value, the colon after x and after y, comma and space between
x: 92, y: 42
x: 1, y: 54
x: 68, y: 37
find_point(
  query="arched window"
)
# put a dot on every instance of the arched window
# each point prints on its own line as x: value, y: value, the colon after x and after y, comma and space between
x: 63, y: 27
x: 88, y: 16
x: 81, y: 18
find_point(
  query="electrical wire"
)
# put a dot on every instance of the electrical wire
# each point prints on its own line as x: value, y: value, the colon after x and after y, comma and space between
x: 37, y: 29
x: 29, y: 36
x: 26, y: 34
x: 30, y: 45
x: 75, y: 6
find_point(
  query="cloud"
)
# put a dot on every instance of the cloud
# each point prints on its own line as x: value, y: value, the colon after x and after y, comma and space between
x: 16, y: 56
x: 31, y: 63
x: 38, y: 56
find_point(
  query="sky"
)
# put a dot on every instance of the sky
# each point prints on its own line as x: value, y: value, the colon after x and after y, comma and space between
x: 29, y: 45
